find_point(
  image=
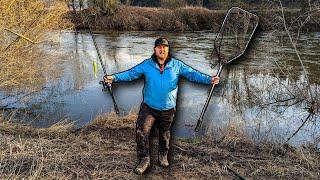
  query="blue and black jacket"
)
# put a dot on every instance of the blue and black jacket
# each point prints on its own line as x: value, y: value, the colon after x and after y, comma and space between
x: 160, y: 89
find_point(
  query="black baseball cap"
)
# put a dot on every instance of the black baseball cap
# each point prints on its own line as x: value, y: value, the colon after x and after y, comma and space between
x: 161, y: 41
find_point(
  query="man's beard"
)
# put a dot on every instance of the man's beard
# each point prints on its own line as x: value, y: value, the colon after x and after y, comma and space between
x: 162, y: 56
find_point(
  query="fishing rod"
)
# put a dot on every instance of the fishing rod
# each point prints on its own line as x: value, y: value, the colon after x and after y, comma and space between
x: 233, y: 25
x: 106, y: 86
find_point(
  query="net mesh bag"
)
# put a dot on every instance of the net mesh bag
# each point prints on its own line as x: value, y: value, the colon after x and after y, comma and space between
x: 234, y: 35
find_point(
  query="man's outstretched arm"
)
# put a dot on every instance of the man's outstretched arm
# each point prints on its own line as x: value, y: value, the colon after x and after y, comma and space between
x: 128, y: 75
x: 196, y: 76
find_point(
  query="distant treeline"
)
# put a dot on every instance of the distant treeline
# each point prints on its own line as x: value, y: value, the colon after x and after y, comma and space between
x: 218, y: 4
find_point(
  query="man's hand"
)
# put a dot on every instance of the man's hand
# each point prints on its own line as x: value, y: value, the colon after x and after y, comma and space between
x: 108, y: 79
x: 215, y: 80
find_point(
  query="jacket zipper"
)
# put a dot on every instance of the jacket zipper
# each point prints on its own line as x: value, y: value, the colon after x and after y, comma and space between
x: 161, y: 91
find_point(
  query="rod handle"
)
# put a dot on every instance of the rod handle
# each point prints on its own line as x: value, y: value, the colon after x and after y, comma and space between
x: 108, y: 87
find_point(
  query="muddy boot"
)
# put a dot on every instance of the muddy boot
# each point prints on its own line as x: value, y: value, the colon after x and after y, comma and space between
x: 163, y: 159
x: 143, y: 165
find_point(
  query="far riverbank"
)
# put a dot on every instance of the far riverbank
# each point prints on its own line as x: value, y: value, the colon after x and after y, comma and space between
x: 131, y: 18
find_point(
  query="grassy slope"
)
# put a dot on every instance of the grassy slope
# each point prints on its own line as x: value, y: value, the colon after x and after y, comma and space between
x: 106, y: 149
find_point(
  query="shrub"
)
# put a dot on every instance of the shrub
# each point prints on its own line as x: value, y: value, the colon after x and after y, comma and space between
x: 107, y: 6
x: 24, y: 25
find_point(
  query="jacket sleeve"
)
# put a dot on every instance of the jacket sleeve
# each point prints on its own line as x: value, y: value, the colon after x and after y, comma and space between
x: 194, y: 75
x: 130, y: 74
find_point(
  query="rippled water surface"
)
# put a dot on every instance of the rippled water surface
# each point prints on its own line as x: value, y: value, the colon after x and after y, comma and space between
x: 248, y: 95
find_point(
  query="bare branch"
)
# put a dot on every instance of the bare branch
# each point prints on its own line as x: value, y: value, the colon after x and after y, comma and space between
x: 304, y: 122
x: 296, y: 51
x: 20, y: 35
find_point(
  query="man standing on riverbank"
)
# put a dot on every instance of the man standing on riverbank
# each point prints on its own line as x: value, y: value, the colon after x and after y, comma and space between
x: 161, y: 73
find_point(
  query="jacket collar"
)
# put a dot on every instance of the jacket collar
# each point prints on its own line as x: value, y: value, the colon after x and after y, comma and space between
x: 166, y: 62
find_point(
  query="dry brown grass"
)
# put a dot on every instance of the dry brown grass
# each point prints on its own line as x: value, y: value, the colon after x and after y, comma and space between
x: 23, y: 27
x: 234, y: 135
x: 159, y: 19
x: 105, y: 149
x: 111, y: 121
x: 198, y: 18
x: 187, y: 18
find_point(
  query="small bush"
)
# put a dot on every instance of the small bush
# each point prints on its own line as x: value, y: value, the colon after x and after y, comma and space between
x: 24, y: 26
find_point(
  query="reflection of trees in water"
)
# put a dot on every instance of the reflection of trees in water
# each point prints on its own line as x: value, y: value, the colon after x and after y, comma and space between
x: 310, y: 103
x: 77, y: 69
x: 284, y: 93
x: 269, y: 104
x: 30, y: 107
x: 111, y: 51
x: 113, y: 54
x: 85, y: 55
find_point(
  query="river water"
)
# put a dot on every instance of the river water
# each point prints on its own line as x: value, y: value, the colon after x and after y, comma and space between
x: 262, y: 91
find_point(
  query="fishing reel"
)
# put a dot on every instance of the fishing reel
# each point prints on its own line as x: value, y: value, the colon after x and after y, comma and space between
x: 106, y: 86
